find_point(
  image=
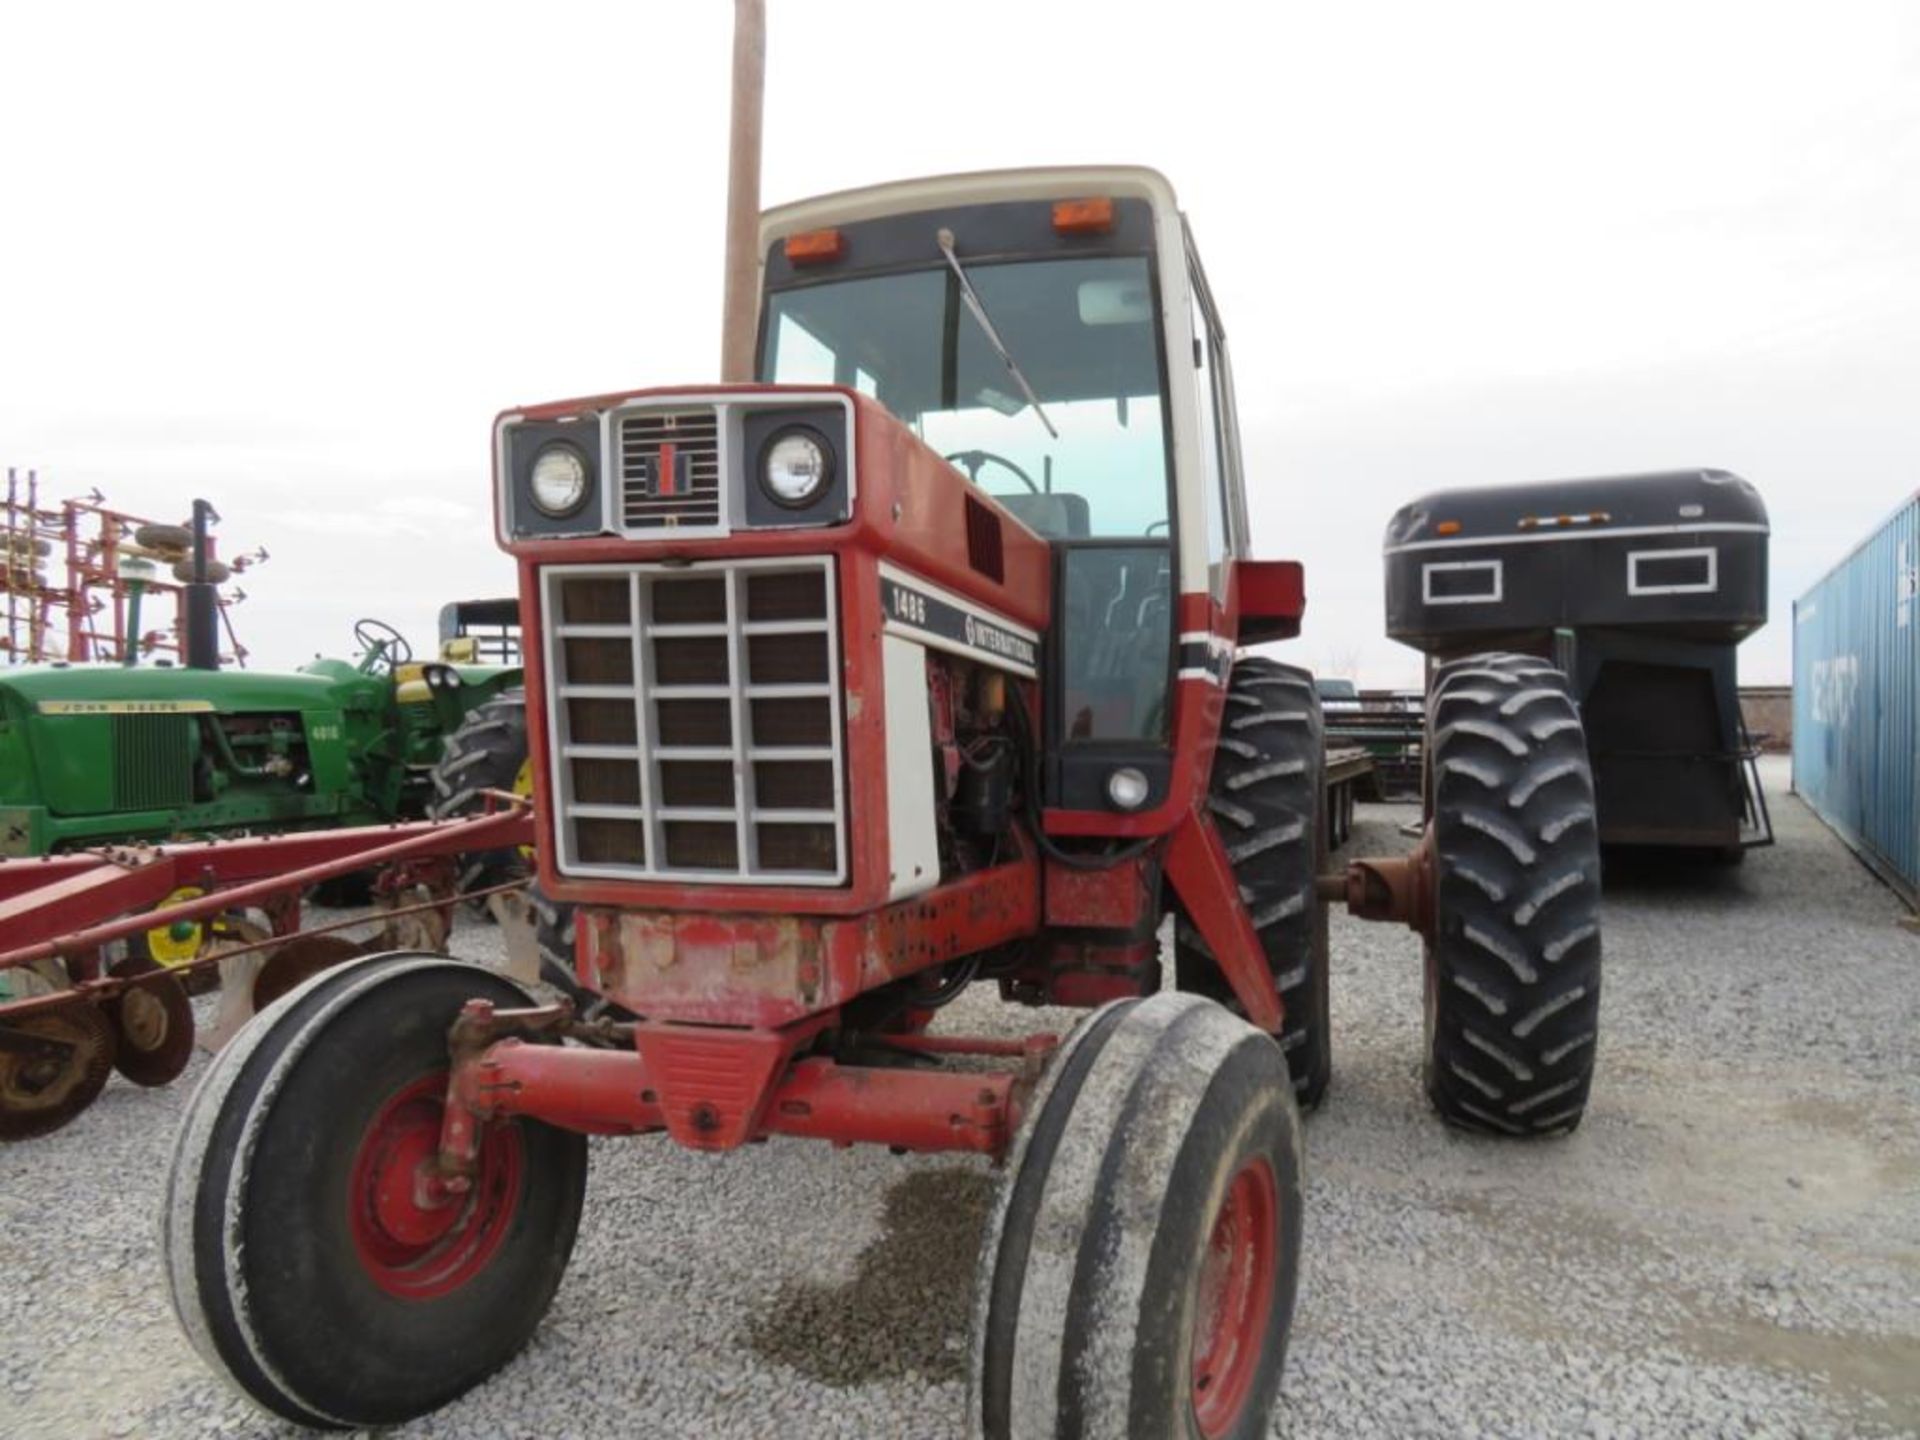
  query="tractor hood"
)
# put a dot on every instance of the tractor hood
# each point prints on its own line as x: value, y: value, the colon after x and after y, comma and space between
x: 95, y: 740
x: 114, y: 689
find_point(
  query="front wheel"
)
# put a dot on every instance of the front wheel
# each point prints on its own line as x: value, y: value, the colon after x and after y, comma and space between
x: 301, y: 1260
x: 1138, y: 1273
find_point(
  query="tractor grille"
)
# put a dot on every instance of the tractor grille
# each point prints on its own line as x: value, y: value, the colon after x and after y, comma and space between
x: 696, y: 721
x: 670, y: 469
x: 152, y: 761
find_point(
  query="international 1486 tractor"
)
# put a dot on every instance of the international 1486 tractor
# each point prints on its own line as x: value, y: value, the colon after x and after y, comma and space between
x: 918, y: 664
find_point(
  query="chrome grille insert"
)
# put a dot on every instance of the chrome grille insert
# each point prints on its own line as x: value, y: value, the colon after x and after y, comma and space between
x: 670, y: 469
x: 695, y: 716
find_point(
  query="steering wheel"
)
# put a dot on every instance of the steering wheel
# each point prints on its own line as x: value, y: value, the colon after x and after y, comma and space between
x: 384, y: 646
x: 973, y: 460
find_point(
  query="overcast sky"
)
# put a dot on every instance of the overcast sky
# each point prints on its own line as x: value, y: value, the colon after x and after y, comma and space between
x: 295, y: 258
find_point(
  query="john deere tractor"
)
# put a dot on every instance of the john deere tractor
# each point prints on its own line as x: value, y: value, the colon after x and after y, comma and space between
x: 102, y: 754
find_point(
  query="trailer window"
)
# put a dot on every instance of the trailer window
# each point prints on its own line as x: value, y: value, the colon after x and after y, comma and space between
x: 1672, y: 572
x: 1460, y: 582
x: 1082, y: 332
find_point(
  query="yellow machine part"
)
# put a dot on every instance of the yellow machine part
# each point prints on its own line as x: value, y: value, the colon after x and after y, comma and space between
x: 523, y: 786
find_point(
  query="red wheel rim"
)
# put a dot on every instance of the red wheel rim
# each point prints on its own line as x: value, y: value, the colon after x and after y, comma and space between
x: 413, y: 1245
x: 1235, y: 1297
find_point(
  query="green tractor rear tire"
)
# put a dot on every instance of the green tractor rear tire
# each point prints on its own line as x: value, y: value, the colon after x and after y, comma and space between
x: 487, y: 752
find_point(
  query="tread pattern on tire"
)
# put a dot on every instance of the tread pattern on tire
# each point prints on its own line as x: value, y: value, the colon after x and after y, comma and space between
x: 555, y: 934
x: 1268, y: 799
x: 1513, y: 972
x: 204, y: 1222
x: 484, y: 753
x: 1073, y: 1329
x: 198, y: 1291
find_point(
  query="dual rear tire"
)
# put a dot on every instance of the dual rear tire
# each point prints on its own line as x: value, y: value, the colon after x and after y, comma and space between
x: 1267, y: 798
x: 1513, y: 965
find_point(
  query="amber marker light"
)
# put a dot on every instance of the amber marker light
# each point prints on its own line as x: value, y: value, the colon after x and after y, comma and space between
x: 814, y: 247
x: 1083, y: 217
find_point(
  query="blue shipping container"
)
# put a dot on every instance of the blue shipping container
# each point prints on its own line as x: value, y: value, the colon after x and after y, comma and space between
x: 1856, y: 699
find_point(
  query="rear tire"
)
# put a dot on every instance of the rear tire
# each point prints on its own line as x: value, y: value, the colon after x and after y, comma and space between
x: 1139, y: 1269
x: 487, y: 752
x: 289, y: 1268
x: 1513, y: 970
x: 1268, y: 798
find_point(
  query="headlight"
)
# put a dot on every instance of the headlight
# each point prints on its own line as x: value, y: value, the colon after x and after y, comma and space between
x: 797, y: 469
x: 559, y: 481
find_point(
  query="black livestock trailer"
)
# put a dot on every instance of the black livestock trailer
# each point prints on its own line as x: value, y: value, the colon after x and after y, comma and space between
x: 1639, y: 587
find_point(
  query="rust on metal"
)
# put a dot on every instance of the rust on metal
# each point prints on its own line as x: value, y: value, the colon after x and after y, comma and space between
x: 45, y: 917
x: 1398, y: 888
x: 775, y: 970
x: 106, y: 987
x: 714, y: 1089
x: 1114, y: 897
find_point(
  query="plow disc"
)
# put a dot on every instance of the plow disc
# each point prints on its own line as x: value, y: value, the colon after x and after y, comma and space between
x: 152, y: 1023
x: 297, y: 962
x: 52, y: 1066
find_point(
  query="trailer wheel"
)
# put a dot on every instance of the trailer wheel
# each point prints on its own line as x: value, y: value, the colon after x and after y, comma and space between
x: 1138, y: 1272
x: 487, y: 752
x: 300, y: 1264
x: 1268, y: 799
x: 1513, y: 968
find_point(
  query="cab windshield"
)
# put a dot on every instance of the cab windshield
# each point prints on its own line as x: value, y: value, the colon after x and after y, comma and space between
x: 1081, y: 332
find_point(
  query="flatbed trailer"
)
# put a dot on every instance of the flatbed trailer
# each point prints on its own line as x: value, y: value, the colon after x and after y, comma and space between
x: 1392, y: 730
x: 1350, y: 768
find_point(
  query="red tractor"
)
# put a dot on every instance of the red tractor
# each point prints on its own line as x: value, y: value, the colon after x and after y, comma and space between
x: 917, y: 664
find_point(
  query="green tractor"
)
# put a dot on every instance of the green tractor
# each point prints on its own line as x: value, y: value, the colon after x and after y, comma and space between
x: 103, y: 754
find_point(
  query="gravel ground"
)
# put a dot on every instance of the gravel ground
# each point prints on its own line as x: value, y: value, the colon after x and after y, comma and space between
x: 1730, y: 1245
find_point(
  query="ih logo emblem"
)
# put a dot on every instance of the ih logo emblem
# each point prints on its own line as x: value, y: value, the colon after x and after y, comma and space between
x: 664, y: 480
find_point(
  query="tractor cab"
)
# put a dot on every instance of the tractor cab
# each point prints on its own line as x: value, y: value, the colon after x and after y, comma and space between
x: 1049, y: 334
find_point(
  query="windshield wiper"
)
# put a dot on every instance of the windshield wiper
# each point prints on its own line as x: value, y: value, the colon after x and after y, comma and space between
x: 979, y: 312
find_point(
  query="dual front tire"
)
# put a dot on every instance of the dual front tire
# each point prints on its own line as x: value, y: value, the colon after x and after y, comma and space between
x: 1139, y: 1269
x: 301, y: 1261
x: 1138, y: 1275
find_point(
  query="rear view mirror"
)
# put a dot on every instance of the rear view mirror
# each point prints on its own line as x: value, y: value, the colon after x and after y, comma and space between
x: 1115, y: 302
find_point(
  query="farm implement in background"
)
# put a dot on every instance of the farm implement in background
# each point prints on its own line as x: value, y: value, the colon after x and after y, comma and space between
x: 103, y: 945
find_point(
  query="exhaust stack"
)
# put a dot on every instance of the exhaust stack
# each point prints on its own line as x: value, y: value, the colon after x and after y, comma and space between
x: 202, y: 598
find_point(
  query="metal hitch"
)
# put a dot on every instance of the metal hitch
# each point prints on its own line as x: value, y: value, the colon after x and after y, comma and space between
x: 1397, y: 888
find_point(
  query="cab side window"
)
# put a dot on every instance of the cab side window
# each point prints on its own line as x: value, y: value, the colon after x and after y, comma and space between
x: 1217, y: 458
